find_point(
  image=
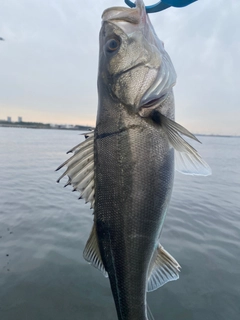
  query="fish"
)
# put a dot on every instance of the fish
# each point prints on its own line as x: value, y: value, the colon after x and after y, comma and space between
x: 125, y: 167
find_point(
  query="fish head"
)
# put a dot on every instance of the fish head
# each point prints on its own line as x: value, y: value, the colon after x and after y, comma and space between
x: 133, y: 63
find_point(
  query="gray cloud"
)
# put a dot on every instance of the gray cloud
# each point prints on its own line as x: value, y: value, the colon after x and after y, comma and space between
x: 50, y: 54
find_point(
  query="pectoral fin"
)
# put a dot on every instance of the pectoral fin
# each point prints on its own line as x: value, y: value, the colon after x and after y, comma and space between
x: 163, y: 268
x: 187, y: 159
x: 92, y: 254
x: 80, y: 168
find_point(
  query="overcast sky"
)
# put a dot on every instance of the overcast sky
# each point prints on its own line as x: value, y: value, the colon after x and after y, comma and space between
x: 49, y: 60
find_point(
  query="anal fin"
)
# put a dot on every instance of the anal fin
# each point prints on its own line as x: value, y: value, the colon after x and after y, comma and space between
x: 163, y: 268
x: 149, y: 314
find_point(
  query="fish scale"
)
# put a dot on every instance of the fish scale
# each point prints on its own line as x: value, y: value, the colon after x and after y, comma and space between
x: 130, y: 172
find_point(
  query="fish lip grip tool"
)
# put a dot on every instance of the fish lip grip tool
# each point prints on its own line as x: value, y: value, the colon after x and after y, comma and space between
x: 162, y: 5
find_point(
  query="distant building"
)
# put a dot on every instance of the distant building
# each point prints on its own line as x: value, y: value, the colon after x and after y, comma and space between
x: 19, y: 119
x: 69, y: 126
x: 9, y: 119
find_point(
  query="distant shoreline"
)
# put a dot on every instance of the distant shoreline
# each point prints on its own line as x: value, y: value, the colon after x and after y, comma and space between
x: 33, y: 125
x: 216, y: 135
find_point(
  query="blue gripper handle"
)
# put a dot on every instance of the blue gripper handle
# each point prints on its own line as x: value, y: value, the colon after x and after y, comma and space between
x: 162, y: 5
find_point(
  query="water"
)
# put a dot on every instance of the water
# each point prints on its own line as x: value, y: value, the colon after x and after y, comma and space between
x: 43, y: 230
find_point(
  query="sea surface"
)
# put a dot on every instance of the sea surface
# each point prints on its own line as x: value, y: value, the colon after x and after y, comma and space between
x: 44, y: 227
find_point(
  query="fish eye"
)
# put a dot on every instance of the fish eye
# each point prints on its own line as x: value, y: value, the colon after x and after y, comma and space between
x: 112, y: 45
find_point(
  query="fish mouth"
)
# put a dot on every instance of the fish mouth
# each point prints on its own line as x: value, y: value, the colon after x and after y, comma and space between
x: 121, y: 14
x: 128, y: 19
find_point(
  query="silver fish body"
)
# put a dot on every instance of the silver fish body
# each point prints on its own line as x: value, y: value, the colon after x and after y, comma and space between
x: 125, y: 168
x: 134, y: 179
x: 134, y: 172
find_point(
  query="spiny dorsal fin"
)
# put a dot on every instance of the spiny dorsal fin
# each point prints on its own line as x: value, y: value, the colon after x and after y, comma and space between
x: 80, y: 169
x: 91, y: 252
x: 163, y: 268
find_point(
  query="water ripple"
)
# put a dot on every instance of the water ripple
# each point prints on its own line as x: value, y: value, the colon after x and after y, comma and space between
x: 44, y: 228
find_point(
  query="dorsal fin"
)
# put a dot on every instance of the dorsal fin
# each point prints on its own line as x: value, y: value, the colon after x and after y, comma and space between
x: 80, y: 169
